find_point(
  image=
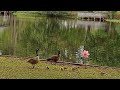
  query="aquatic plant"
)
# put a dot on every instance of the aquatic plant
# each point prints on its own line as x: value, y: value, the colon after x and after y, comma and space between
x: 85, y: 54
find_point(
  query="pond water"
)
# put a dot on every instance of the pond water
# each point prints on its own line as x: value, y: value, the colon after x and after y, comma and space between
x: 21, y: 36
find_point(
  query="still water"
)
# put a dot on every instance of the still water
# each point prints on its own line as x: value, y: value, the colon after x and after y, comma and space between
x: 21, y: 36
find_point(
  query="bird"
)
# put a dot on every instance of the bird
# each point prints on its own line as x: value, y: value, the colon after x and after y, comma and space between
x: 102, y: 73
x: 62, y: 69
x: 75, y: 68
x: 65, y: 68
x: 34, y: 61
x: 54, y: 58
x: 47, y: 67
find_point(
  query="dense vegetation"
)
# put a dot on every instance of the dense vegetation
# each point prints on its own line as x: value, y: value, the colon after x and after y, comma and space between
x: 107, y: 52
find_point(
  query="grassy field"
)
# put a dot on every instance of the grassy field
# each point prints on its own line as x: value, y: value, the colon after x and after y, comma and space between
x: 15, y: 68
x: 113, y: 20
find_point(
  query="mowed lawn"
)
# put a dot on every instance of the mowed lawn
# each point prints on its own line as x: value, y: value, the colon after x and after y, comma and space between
x: 15, y: 68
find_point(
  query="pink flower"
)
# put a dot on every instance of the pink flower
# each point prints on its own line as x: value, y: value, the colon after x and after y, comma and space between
x: 85, y: 54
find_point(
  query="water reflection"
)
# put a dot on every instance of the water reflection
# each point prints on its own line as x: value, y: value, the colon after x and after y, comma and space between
x: 5, y: 20
x: 84, y: 24
x: 23, y: 36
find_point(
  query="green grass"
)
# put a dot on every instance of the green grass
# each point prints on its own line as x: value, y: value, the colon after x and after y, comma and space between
x: 38, y: 14
x: 15, y: 68
x: 113, y: 20
x: 28, y: 17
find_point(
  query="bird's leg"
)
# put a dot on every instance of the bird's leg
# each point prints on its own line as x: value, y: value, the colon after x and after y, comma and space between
x: 33, y: 65
x: 53, y: 63
x: 85, y: 65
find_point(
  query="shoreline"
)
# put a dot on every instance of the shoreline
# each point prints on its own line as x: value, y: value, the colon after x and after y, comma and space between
x: 62, y: 62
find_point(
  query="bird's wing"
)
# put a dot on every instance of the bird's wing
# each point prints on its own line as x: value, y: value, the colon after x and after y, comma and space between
x: 54, y: 56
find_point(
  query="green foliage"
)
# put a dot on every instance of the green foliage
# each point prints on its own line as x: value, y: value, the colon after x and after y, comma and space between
x: 59, y: 13
x: 111, y: 14
x: 48, y: 35
x: 104, y: 48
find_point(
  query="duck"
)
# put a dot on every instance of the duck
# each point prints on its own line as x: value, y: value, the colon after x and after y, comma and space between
x: 64, y: 68
x: 75, y: 68
x: 34, y: 61
x: 47, y: 67
x: 102, y: 73
x: 54, y: 58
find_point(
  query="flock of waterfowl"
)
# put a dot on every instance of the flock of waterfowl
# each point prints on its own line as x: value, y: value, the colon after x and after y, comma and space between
x: 53, y: 59
x: 35, y: 60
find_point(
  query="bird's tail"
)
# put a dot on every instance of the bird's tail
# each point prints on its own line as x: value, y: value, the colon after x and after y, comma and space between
x: 48, y: 59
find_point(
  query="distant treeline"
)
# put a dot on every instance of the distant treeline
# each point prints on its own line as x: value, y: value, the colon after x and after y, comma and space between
x: 70, y: 14
x: 48, y: 13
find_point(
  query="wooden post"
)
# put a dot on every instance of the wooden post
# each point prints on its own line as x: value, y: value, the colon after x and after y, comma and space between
x: 99, y: 19
x: 81, y: 18
x: 94, y: 19
x: 103, y: 19
x: 88, y: 18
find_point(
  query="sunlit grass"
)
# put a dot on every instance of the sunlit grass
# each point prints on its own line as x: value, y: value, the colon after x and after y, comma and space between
x: 113, y: 20
x: 39, y: 14
x: 13, y: 68
x: 29, y: 16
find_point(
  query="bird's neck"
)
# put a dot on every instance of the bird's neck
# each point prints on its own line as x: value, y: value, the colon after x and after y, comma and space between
x: 58, y: 54
x: 36, y: 52
x: 37, y: 57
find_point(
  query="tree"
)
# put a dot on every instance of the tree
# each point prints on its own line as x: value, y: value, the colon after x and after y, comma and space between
x: 111, y: 14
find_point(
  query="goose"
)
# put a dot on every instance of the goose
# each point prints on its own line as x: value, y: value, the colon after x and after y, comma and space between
x: 34, y: 61
x: 54, y: 58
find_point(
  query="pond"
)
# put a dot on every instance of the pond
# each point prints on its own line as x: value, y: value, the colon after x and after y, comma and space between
x: 21, y: 36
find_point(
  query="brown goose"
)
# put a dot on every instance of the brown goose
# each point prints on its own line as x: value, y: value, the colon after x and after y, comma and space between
x: 34, y: 61
x: 54, y: 58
